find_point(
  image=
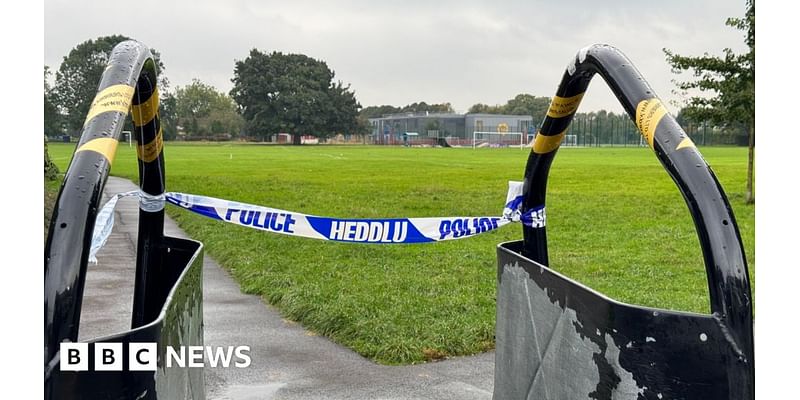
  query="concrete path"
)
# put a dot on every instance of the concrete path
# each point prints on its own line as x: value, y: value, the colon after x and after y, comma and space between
x: 288, y: 362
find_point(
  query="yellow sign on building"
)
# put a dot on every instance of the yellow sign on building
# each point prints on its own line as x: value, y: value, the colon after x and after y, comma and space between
x: 502, y: 127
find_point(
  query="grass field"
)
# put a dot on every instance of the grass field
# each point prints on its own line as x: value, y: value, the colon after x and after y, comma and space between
x: 616, y: 222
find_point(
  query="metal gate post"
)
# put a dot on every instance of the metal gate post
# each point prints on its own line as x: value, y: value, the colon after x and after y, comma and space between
x: 559, y: 339
x: 168, y: 299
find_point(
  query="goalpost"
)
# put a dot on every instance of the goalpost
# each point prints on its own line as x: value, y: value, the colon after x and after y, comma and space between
x: 498, y: 139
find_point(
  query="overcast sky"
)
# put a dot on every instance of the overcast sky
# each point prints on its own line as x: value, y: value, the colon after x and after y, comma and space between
x: 462, y: 52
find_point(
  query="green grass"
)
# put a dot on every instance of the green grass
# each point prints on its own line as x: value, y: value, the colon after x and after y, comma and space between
x: 616, y: 222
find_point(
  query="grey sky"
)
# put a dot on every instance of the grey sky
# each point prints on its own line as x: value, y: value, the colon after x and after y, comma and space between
x: 462, y: 52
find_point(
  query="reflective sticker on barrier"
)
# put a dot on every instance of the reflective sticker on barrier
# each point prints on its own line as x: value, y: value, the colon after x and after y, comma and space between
x: 544, y: 144
x: 149, y: 152
x: 561, y: 107
x: 113, y: 98
x: 107, y: 147
x: 145, y: 112
x: 352, y: 230
x: 648, y: 114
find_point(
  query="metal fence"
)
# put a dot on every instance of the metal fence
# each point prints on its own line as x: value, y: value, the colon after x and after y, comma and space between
x: 609, y: 130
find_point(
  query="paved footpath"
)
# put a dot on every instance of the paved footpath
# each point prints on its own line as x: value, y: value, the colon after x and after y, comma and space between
x: 288, y: 362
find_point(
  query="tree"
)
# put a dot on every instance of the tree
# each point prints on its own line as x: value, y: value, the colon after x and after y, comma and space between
x: 292, y: 93
x: 728, y: 83
x: 169, y: 116
x: 481, y: 108
x: 79, y: 74
x: 363, y: 127
x: 378, y: 111
x: 52, y: 125
x: 521, y: 104
x: 425, y: 107
x: 203, y: 111
x: 344, y: 110
x: 526, y: 104
x: 421, y: 107
x: 52, y: 118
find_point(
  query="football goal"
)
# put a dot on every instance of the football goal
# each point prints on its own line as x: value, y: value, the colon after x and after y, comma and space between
x: 498, y: 139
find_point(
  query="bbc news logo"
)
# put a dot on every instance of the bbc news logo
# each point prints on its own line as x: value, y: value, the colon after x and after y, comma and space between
x: 144, y: 356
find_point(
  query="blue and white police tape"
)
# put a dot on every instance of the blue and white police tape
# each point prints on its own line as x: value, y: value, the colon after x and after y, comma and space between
x: 352, y: 230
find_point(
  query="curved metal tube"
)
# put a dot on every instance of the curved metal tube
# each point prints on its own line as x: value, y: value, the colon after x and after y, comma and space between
x: 128, y: 83
x: 723, y: 253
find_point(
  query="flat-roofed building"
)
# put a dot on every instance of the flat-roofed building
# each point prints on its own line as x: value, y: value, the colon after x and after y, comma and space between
x: 457, y: 129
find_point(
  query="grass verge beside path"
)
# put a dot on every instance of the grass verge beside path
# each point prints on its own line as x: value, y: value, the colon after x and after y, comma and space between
x: 616, y: 222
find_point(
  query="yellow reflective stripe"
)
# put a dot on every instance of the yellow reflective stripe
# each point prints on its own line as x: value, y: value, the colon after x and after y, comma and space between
x: 563, y: 106
x: 544, y: 144
x: 107, y: 147
x: 145, y: 112
x: 149, y: 152
x: 648, y: 114
x: 684, y: 144
x: 112, y: 98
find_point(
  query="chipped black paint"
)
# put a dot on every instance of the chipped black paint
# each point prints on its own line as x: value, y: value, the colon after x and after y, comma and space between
x: 674, y: 362
x: 661, y: 349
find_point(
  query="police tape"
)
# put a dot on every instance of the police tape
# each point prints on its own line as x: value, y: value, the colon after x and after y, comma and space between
x: 350, y: 230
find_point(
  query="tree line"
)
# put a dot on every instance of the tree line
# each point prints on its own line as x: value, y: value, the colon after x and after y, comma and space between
x: 296, y: 94
x: 272, y: 93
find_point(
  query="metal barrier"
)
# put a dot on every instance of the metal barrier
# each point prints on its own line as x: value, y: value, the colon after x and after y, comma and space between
x: 557, y: 339
x: 168, y: 308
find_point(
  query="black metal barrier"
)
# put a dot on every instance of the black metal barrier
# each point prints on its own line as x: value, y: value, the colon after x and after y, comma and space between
x: 558, y: 339
x: 555, y: 338
x: 167, y: 305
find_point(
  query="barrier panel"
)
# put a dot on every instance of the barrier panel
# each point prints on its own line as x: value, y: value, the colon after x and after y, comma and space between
x: 168, y: 291
x: 558, y: 339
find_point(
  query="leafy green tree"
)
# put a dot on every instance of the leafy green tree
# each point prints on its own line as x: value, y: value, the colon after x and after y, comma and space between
x: 52, y: 118
x: 481, y: 108
x: 425, y: 107
x: 344, y: 110
x: 378, y: 111
x: 521, y: 104
x: 420, y: 107
x: 730, y: 81
x: 168, y: 116
x: 79, y: 74
x: 363, y: 128
x: 526, y: 104
x: 292, y: 93
x: 52, y: 125
x: 203, y: 111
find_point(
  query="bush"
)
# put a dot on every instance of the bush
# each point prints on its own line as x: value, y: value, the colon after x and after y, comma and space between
x: 50, y: 168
